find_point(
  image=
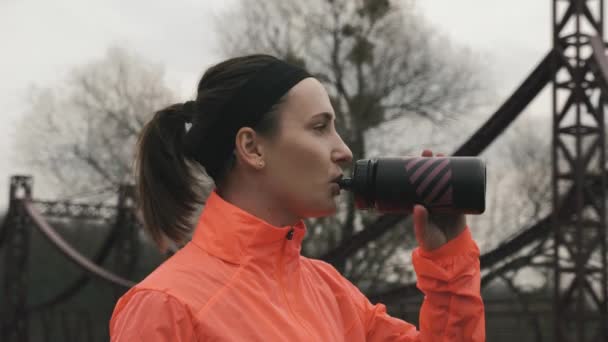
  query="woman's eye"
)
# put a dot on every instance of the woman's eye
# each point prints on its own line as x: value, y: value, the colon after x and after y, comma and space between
x: 321, y: 127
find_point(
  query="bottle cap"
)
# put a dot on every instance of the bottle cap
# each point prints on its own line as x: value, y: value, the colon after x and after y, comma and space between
x: 345, y: 183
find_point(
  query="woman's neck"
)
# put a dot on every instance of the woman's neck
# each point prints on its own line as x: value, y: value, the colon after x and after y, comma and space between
x: 258, y: 203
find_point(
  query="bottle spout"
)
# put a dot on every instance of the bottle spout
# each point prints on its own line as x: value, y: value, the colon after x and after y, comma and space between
x: 345, y: 183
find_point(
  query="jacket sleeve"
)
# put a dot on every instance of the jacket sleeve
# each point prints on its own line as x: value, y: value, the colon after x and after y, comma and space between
x: 449, y: 277
x: 150, y: 316
x: 452, y: 309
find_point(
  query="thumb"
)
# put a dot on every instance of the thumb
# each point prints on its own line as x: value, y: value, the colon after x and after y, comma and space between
x: 421, y: 217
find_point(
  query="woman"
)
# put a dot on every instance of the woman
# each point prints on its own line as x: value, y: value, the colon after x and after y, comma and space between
x: 264, y: 132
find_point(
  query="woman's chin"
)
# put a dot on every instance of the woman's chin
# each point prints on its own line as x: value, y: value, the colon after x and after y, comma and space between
x: 330, y: 210
x: 320, y: 206
x: 327, y: 210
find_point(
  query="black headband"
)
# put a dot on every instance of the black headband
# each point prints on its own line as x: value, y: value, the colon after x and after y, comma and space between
x: 213, y: 144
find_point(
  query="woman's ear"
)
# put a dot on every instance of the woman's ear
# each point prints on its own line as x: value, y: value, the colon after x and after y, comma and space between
x: 249, y: 148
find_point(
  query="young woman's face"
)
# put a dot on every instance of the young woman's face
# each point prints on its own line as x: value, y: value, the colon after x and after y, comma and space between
x: 305, y: 157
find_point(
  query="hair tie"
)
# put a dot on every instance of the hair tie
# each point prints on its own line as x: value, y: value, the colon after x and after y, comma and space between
x: 189, y: 109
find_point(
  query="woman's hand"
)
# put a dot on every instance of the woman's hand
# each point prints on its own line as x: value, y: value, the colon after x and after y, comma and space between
x: 434, y: 231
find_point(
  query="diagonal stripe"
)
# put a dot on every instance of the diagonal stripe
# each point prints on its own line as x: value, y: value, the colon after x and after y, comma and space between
x: 422, y: 169
x: 446, y: 199
x: 431, y: 176
x: 412, y: 163
x: 439, y: 186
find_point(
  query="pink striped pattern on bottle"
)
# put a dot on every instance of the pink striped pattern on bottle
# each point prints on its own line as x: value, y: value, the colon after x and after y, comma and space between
x: 423, y: 172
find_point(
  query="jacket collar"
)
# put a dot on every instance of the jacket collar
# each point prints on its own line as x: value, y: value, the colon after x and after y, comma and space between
x: 234, y: 235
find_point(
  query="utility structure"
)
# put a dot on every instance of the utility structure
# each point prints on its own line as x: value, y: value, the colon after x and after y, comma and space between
x: 26, y: 214
x: 579, y: 160
x: 571, y: 241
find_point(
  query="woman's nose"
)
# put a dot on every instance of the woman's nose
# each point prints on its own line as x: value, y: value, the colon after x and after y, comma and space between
x: 342, y: 154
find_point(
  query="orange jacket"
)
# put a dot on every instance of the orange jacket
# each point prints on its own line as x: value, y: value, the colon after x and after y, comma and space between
x: 241, y: 279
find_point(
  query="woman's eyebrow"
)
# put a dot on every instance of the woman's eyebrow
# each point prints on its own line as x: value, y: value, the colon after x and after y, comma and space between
x: 326, y: 115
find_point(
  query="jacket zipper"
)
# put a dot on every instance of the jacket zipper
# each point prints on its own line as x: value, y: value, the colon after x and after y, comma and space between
x: 289, y: 237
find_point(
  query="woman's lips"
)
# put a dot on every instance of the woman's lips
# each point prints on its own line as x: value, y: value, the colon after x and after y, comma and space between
x: 337, y: 178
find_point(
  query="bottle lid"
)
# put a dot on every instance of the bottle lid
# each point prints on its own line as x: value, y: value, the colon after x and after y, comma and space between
x: 346, y: 183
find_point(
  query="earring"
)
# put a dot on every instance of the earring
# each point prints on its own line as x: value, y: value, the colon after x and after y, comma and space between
x: 260, y: 164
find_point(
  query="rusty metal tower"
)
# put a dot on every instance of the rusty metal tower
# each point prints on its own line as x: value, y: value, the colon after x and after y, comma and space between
x: 579, y: 96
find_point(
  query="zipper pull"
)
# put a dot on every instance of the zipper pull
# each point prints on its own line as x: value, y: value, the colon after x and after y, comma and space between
x: 290, y: 234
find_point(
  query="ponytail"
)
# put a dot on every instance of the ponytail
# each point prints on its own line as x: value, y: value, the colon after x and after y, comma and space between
x: 169, y: 190
x: 170, y: 169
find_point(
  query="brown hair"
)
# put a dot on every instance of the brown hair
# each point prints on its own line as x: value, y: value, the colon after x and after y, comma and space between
x: 168, y: 181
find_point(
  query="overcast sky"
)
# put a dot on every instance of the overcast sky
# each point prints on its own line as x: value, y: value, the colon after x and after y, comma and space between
x: 41, y: 41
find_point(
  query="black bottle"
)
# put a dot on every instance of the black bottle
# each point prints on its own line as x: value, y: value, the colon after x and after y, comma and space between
x: 441, y: 184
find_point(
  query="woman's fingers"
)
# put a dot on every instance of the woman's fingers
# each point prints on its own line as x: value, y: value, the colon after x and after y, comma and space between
x: 429, y: 153
x: 428, y: 235
x: 421, y: 217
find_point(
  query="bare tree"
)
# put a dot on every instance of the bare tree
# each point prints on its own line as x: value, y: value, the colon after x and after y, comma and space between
x: 378, y: 60
x: 519, y: 185
x: 81, y: 134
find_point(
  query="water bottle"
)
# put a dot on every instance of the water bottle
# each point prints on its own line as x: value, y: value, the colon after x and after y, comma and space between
x: 441, y: 184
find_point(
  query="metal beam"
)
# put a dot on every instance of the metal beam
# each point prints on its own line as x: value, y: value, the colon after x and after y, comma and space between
x: 578, y: 155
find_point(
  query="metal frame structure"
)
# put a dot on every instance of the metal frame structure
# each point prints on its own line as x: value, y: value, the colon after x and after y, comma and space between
x: 127, y: 244
x: 16, y: 239
x: 578, y: 146
x: 25, y: 214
